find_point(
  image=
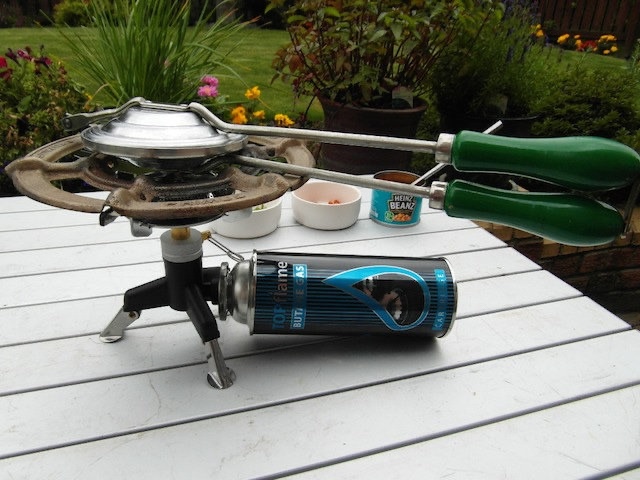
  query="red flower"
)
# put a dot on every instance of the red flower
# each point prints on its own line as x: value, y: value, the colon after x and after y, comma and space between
x: 46, y: 61
x: 5, y: 71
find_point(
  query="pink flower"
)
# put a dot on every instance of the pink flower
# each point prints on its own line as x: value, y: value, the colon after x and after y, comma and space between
x: 208, y: 91
x: 24, y: 54
x: 210, y: 80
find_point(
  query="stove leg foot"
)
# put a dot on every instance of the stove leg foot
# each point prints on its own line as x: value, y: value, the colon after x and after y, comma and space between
x: 219, y: 376
x: 115, y: 330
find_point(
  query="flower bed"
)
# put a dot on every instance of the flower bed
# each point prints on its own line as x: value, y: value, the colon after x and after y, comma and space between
x: 34, y: 97
x: 605, y: 45
x: 252, y: 111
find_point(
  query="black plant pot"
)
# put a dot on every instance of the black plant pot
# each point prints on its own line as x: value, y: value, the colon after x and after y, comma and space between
x: 360, y: 160
x: 511, y: 126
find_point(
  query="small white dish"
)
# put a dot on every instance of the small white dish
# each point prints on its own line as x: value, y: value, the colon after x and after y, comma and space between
x: 263, y: 220
x: 326, y: 205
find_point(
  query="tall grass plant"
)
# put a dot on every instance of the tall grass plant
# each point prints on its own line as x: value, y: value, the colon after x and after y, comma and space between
x: 147, y: 48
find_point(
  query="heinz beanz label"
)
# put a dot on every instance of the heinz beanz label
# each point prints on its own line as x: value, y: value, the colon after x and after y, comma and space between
x: 395, y: 209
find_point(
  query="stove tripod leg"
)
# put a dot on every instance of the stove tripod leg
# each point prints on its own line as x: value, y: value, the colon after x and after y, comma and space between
x: 219, y: 376
x: 149, y: 295
x: 115, y: 330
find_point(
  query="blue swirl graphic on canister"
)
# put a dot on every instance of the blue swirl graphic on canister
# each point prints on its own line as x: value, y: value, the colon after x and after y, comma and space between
x: 398, y: 296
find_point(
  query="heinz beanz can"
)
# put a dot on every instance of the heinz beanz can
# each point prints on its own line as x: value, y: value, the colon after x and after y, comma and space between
x: 395, y: 209
x: 290, y: 293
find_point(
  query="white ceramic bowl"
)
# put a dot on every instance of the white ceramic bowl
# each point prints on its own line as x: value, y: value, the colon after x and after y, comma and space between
x: 326, y: 205
x: 262, y: 221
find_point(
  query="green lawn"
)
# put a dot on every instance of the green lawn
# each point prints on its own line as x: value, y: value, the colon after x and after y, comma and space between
x: 252, y: 60
x: 593, y: 60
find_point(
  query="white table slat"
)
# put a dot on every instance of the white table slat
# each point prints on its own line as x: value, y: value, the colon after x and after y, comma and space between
x: 354, y: 422
x: 22, y: 204
x: 590, y: 438
x: 46, y: 260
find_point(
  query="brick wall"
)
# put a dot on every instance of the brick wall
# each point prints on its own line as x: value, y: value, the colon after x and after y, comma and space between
x: 609, y: 274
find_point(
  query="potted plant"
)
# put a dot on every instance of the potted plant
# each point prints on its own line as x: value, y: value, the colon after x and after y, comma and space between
x: 495, y: 70
x: 367, y: 61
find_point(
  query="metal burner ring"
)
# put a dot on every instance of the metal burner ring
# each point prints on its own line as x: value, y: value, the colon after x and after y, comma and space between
x: 138, y: 199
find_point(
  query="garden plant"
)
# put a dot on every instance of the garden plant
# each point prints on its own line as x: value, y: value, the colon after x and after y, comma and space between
x: 359, y: 53
x: 35, y: 93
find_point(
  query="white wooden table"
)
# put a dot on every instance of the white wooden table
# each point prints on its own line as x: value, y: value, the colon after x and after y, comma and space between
x: 534, y: 380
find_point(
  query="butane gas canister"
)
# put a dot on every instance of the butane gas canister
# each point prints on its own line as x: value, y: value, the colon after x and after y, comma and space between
x: 290, y: 293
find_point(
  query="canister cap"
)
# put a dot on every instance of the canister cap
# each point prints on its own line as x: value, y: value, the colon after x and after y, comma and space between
x: 181, y: 250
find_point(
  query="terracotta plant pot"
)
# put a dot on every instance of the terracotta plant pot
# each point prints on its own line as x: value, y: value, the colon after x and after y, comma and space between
x: 389, y: 122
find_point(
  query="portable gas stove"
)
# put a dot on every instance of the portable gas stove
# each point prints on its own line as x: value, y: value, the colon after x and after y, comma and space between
x: 177, y: 166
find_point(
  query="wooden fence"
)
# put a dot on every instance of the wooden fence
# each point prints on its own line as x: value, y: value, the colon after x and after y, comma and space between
x: 592, y: 18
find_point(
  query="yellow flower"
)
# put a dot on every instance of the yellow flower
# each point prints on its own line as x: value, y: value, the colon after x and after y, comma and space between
x: 606, y: 52
x: 239, y: 115
x: 258, y: 115
x: 614, y: 49
x: 563, y: 38
x: 239, y: 110
x: 253, y: 93
x: 282, y: 120
x: 239, y: 119
x: 576, y: 37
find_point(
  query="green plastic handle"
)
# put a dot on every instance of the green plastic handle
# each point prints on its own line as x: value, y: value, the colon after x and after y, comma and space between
x: 565, y: 218
x: 579, y: 163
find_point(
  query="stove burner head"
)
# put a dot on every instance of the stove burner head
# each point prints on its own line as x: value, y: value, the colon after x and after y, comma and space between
x: 162, y: 140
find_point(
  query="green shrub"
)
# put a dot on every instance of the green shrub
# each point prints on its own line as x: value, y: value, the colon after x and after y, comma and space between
x: 73, y: 13
x: 35, y: 93
x: 498, y: 69
x: 593, y: 102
